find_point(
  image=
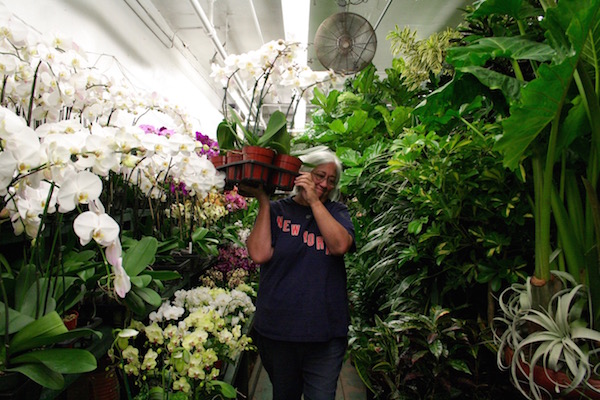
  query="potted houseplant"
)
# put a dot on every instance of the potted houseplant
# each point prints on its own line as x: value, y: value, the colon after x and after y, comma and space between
x: 271, y: 70
x: 551, y: 350
x: 553, y: 132
x: 183, y: 346
x: 31, y: 327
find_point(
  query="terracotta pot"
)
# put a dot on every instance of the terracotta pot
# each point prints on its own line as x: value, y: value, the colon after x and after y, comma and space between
x: 257, y: 168
x: 286, y: 170
x: 218, y: 160
x: 101, y: 384
x: 70, y: 320
x: 234, y: 172
x: 548, y: 378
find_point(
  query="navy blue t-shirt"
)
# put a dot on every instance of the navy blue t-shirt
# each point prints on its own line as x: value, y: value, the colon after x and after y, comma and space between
x: 302, y: 290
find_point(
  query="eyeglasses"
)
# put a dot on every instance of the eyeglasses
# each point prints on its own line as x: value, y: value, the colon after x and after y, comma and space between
x: 320, y: 176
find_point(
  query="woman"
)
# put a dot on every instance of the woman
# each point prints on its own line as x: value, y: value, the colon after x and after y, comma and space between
x: 302, y: 307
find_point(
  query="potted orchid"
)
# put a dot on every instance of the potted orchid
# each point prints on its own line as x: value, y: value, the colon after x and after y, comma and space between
x: 181, y: 351
x: 68, y: 136
x: 267, y: 75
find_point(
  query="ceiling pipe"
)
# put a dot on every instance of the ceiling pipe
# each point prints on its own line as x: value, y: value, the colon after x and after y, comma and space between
x: 148, y: 14
x: 212, y: 35
x: 256, y: 21
x: 388, y: 4
x: 155, y: 22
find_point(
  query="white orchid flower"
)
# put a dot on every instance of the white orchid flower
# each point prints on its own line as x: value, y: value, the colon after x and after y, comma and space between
x: 8, y: 166
x: 27, y: 205
x: 80, y: 188
x: 96, y: 224
x: 122, y: 281
x: 114, y: 252
x: 99, y: 155
x: 154, y: 144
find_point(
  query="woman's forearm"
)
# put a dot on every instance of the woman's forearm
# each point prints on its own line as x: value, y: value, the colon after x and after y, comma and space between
x: 259, y: 240
x: 336, y: 237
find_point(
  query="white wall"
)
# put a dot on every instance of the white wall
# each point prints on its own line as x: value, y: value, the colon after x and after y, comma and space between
x: 110, y: 32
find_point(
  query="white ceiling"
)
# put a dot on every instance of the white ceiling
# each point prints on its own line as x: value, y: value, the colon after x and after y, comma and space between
x: 208, y: 29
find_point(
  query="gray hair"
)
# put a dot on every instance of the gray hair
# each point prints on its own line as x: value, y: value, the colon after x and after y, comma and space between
x: 318, y: 156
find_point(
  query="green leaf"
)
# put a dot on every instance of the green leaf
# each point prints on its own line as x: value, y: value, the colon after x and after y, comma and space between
x: 4, y: 262
x: 65, y: 361
x: 348, y: 156
x: 135, y: 302
x: 41, y: 374
x: 225, y: 388
x: 25, y: 280
x: 140, y: 255
x: 16, y: 322
x: 515, y: 48
x: 47, y: 327
x: 416, y: 226
x: 38, y: 292
x: 338, y: 126
x: 518, y: 9
x: 510, y: 86
x: 276, y: 135
x: 436, y: 348
x: 227, y: 137
x: 163, y: 275
x: 460, y: 365
x: 250, y: 138
x: 141, y: 280
x: 148, y: 295
x: 541, y: 99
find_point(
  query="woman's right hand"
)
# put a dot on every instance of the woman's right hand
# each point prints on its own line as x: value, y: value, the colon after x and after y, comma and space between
x: 253, y: 191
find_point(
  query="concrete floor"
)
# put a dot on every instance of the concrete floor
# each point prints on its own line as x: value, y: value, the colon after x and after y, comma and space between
x: 350, y: 387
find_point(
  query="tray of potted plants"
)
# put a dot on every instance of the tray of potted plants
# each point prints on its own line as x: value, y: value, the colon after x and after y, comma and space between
x: 255, y: 173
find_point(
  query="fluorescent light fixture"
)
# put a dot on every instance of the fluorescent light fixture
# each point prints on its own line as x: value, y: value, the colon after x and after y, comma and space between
x: 296, y: 20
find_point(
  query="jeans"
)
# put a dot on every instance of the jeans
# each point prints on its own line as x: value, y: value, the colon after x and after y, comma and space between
x: 297, y: 368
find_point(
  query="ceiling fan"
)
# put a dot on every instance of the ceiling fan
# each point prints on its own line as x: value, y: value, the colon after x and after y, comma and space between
x: 345, y: 42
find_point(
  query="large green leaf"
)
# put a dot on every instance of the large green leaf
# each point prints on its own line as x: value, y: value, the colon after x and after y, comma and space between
x: 46, y: 340
x: 225, y: 388
x: 44, y: 328
x: 135, y: 302
x: 16, y: 322
x: 510, y: 86
x: 25, y: 280
x: 570, y: 24
x: 41, y: 292
x: 515, y: 48
x: 41, y: 374
x: 541, y: 100
x: 276, y: 135
x: 163, y: 275
x: 518, y: 9
x: 141, y: 280
x: 64, y: 361
x: 227, y: 137
x: 140, y: 255
x: 148, y: 295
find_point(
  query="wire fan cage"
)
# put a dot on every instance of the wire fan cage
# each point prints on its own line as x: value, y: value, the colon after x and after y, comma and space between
x: 345, y: 42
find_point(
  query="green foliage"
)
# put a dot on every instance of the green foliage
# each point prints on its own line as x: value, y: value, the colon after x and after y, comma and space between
x: 439, y: 221
x: 146, y: 285
x: 30, y: 326
x: 417, y: 356
x: 423, y: 59
x: 551, y: 136
x: 275, y: 135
